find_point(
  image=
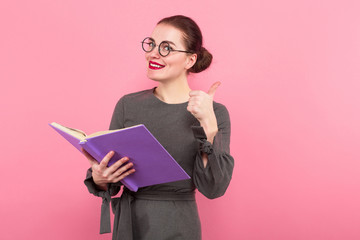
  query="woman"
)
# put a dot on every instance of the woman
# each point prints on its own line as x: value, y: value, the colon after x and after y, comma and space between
x: 193, y: 129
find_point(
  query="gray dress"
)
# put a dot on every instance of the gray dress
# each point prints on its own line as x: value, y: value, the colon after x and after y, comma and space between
x: 167, y: 211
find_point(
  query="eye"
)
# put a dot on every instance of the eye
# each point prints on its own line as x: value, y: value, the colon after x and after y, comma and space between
x: 150, y: 44
x: 168, y: 48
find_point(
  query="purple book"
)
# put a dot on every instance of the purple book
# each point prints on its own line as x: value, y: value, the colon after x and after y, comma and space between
x: 153, y: 164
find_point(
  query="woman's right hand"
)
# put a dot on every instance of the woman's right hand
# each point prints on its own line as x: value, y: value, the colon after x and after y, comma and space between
x: 102, y: 175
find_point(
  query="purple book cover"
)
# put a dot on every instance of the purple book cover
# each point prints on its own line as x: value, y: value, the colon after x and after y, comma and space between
x: 153, y: 164
x: 73, y: 140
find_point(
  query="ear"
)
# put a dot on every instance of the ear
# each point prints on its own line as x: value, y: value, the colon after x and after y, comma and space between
x: 191, y: 60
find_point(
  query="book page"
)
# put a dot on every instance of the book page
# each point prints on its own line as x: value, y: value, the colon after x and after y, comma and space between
x: 108, y: 131
x: 101, y: 133
x: 72, y: 131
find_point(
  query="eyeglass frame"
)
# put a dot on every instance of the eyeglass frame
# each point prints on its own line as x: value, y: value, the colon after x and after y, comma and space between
x: 163, y: 42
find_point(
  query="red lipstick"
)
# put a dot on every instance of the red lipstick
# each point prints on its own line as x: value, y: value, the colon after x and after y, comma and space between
x: 155, y: 65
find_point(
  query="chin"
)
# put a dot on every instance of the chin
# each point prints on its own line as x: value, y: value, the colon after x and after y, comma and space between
x: 154, y: 78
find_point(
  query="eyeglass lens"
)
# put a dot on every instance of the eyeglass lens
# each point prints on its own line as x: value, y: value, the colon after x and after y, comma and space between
x: 148, y: 45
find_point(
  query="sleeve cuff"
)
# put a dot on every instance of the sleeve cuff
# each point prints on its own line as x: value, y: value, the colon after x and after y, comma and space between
x: 204, y: 145
x: 90, y: 184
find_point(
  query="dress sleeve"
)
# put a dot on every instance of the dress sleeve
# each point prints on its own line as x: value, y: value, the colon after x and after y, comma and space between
x: 113, y: 189
x: 213, y: 180
x: 117, y: 120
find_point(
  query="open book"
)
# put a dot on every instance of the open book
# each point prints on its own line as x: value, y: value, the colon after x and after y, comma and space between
x: 153, y: 164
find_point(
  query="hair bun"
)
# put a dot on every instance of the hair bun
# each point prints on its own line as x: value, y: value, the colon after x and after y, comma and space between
x: 204, y: 59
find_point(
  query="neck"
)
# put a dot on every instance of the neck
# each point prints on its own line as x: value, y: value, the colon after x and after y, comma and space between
x: 173, y: 92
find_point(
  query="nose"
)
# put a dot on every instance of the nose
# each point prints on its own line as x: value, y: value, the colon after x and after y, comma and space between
x: 154, y: 53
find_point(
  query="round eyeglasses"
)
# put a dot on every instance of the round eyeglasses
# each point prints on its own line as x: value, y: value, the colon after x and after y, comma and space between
x: 148, y: 44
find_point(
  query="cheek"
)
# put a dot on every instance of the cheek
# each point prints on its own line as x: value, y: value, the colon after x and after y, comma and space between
x: 181, y: 65
x: 176, y: 61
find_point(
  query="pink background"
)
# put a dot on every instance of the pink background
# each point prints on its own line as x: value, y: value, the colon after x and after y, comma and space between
x: 290, y: 79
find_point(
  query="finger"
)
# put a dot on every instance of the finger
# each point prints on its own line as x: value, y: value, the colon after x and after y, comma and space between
x: 89, y: 157
x: 118, y: 164
x: 195, y: 93
x: 123, y: 169
x: 104, y: 162
x: 193, y: 109
x: 194, y: 103
x: 196, y: 98
x: 125, y: 174
x: 213, y: 88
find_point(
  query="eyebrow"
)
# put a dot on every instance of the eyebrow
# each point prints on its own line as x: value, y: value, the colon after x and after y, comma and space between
x: 170, y: 42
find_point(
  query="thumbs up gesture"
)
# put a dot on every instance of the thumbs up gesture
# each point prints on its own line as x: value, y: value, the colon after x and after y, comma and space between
x: 201, y: 107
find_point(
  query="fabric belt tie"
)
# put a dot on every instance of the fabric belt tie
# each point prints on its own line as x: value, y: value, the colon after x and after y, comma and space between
x: 105, y: 226
x: 121, y: 207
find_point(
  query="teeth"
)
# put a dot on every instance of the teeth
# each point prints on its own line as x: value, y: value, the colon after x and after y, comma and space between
x: 155, y: 65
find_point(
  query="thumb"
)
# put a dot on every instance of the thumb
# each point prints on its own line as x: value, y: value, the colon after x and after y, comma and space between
x: 92, y: 160
x: 213, y: 88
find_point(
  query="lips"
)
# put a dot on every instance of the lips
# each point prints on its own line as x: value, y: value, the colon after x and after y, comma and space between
x: 155, y: 65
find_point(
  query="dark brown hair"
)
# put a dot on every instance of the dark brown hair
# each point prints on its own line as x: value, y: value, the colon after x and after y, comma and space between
x: 193, y: 40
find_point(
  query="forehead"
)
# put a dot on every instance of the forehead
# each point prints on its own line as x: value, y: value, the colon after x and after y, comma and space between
x: 164, y: 32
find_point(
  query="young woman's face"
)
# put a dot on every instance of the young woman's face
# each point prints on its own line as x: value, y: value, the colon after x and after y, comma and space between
x: 175, y: 65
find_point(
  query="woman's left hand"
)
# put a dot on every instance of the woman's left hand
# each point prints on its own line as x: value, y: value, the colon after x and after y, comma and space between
x: 201, y: 107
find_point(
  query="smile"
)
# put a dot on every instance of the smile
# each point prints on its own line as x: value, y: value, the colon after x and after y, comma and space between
x: 155, y: 65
